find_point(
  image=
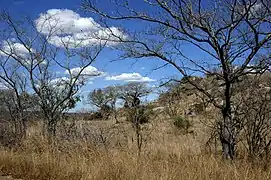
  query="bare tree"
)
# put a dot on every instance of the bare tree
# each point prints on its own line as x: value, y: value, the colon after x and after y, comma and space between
x: 229, y: 34
x: 171, y: 98
x: 113, y: 95
x: 30, y: 45
x: 98, y: 98
x: 14, y: 96
x: 101, y: 99
x: 254, y: 115
x: 136, y: 112
x: 132, y: 92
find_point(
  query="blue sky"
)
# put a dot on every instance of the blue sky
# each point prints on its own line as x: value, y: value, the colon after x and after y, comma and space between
x: 143, y: 68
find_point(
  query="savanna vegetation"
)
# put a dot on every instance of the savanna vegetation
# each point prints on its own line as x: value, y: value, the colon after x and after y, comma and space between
x: 213, y: 122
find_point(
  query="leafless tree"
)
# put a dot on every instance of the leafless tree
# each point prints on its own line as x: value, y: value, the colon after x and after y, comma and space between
x: 171, y: 98
x: 34, y: 54
x: 15, y: 100
x: 254, y: 115
x: 132, y: 92
x: 113, y: 95
x: 228, y: 34
x: 136, y: 113
x: 98, y: 98
x: 102, y: 100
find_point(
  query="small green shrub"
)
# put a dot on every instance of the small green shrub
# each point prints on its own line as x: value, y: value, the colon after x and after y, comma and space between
x: 141, y: 114
x: 182, y: 123
x: 144, y: 114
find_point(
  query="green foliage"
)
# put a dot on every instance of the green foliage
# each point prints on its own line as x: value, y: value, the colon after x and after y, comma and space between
x: 182, y: 123
x: 138, y: 115
x: 144, y: 114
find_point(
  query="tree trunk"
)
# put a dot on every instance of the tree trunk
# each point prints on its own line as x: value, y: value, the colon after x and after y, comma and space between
x: 51, y: 129
x: 227, y: 136
x: 227, y: 139
x: 24, y: 126
x: 138, y: 138
x: 116, y: 117
x: 22, y: 123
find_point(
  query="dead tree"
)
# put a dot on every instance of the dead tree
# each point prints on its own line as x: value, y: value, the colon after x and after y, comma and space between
x: 255, y: 117
x: 14, y: 97
x: 31, y: 45
x: 105, y: 99
x: 229, y: 34
x: 136, y: 112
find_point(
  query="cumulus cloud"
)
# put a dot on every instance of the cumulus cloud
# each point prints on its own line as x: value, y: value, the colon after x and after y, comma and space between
x: 257, y: 7
x: 19, y: 52
x: 60, y: 81
x: 63, y: 83
x: 88, y: 71
x: 67, y: 28
x: 85, y: 76
x: 15, y: 49
x: 60, y: 85
x: 129, y: 77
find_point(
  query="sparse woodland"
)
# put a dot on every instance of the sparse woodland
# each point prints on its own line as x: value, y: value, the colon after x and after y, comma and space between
x: 213, y: 122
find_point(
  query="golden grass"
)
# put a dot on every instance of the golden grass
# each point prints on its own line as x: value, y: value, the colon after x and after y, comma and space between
x: 165, y: 156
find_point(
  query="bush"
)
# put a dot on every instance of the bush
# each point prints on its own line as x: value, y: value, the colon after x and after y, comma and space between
x: 144, y: 114
x: 8, y: 135
x: 105, y: 111
x: 182, y: 123
x: 139, y: 114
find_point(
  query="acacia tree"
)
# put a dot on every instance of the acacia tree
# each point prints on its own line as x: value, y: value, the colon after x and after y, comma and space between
x: 137, y: 113
x: 101, y: 99
x: 113, y: 96
x: 229, y: 35
x: 44, y: 47
x: 132, y: 92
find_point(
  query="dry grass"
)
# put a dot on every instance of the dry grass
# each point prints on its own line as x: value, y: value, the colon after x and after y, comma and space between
x: 166, y: 155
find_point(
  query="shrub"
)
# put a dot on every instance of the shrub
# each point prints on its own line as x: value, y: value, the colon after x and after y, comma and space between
x: 140, y: 114
x: 182, y: 123
x: 105, y: 111
x: 144, y: 114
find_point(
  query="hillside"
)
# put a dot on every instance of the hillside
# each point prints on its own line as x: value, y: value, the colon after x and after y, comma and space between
x: 102, y: 149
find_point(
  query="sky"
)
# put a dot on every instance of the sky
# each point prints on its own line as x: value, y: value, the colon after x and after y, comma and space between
x: 117, y: 72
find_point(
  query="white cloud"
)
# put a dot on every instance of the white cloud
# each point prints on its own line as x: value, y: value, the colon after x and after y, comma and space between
x: 64, y: 21
x: 85, y: 77
x: 60, y: 85
x: 2, y: 86
x: 88, y: 71
x: 129, y: 77
x: 68, y: 28
x: 15, y: 49
x: 63, y: 83
x: 60, y: 81
x: 254, y: 10
x: 19, y: 52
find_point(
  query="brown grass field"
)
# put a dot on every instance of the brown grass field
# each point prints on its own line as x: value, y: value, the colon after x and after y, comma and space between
x: 104, y: 150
